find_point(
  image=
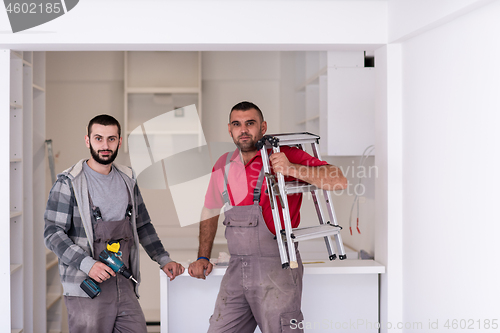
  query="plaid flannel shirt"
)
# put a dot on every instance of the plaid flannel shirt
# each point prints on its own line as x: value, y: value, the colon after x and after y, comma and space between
x: 69, y: 234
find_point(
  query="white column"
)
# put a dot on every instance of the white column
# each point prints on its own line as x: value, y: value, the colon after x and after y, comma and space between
x: 388, y: 184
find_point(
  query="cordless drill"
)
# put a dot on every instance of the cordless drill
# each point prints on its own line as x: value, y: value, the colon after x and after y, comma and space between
x: 109, y: 256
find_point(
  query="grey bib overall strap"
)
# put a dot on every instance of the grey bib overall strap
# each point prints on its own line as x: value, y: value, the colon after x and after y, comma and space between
x: 255, y: 289
x: 116, y: 309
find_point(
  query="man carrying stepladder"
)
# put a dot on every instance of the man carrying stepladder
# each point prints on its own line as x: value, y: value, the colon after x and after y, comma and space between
x: 255, y: 289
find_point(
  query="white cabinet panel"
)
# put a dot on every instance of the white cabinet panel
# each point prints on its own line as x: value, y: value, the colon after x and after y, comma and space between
x: 351, y: 110
x: 335, y: 98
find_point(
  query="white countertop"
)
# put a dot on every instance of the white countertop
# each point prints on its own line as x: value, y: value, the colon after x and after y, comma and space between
x: 343, y: 267
x: 322, y: 267
x: 310, y: 251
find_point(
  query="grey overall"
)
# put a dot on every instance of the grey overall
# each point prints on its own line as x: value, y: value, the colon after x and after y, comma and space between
x: 255, y: 289
x: 116, y: 309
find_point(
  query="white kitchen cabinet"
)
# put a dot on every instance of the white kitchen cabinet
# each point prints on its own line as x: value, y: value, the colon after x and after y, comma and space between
x: 335, y: 98
x: 337, y: 295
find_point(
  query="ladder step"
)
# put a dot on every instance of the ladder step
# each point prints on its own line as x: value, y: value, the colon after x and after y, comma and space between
x: 306, y: 233
x: 290, y: 139
x: 298, y: 187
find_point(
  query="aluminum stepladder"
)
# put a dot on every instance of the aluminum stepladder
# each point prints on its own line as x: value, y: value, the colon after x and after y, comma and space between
x: 48, y: 144
x: 279, y: 189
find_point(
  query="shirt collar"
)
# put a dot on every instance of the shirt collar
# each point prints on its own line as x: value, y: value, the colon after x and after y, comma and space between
x: 236, y: 157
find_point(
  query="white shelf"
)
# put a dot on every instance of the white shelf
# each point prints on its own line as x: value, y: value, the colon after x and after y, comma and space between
x: 163, y: 90
x: 15, y: 213
x: 14, y: 268
x: 52, y: 298
x: 314, y: 79
x: 27, y: 132
x: 312, y: 68
x: 36, y: 87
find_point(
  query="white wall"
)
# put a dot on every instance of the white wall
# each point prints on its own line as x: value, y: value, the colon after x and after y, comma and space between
x: 232, y: 77
x: 450, y: 179
x: 80, y: 85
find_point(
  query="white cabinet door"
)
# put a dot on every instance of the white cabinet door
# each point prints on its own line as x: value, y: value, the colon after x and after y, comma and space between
x: 351, y: 110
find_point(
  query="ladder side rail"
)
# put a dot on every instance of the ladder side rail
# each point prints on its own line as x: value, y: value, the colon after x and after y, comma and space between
x: 331, y: 211
x: 48, y: 143
x: 319, y: 211
x: 286, y: 217
x: 328, y: 241
x: 274, y: 209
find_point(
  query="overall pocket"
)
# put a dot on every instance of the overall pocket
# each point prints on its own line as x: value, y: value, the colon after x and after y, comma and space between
x: 241, y: 231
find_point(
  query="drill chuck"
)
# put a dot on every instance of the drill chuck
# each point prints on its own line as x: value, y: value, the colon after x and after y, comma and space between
x: 126, y: 273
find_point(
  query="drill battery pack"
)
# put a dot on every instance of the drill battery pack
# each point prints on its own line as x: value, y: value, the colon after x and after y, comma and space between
x: 90, y: 287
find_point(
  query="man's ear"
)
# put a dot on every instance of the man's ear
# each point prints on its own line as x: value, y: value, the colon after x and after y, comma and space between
x: 263, y: 127
x: 120, y: 143
x: 87, y: 141
x: 229, y: 129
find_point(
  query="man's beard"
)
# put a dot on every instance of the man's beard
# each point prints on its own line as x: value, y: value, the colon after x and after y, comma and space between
x: 98, y: 159
x: 246, y: 146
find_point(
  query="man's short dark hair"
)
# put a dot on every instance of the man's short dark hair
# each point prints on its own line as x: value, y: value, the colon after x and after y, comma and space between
x: 245, y: 106
x: 105, y: 120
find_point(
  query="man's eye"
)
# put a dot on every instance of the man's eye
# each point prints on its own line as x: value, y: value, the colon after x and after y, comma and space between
x: 111, y: 139
x: 250, y: 123
x: 98, y: 139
